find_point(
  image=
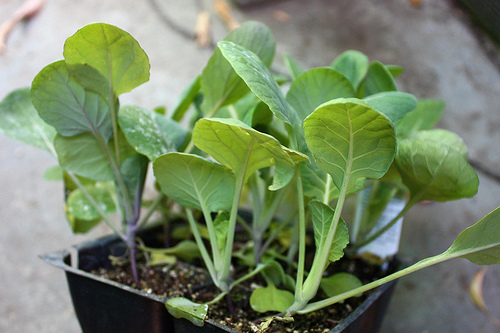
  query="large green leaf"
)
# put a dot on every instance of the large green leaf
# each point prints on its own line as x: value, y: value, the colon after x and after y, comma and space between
x: 444, y: 137
x: 219, y: 83
x: 315, y: 87
x: 393, y: 104
x: 84, y: 156
x: 322, y: 218
x: 150, y: 133
x: 187, y: 98
x: 434, y: 171
x: 80, y: 226
x: 479, y: 243
x: 20, y: 121
x: 243, y: 149
x: 62, y: 102
x: 349, y: 140
x: 258, y: 78
x: 353, y: 64
x: 195, y: 182
x: 377, y: 80
x: 113, y: 52
x: 270, y: 298
x: 425, y: 116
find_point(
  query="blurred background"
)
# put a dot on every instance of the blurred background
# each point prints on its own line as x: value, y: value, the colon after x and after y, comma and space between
x: 445, y: 52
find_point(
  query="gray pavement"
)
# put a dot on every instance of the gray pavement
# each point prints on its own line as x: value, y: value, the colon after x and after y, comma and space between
x: 443, y: 55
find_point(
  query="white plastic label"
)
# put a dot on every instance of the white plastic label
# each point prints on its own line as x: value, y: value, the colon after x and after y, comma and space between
x: 387, y: 244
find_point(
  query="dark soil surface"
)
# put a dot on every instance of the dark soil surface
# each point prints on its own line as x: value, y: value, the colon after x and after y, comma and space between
x: 186, y: 280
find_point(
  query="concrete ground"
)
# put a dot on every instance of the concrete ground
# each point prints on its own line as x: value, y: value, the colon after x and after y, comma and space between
x: 443, y: 55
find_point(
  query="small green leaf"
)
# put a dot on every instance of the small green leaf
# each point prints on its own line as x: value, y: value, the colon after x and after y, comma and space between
x: 322, y: 217
x: 150, y: 133
x: 377, y: 80
x: 195, y: 182
x: 271, y: 298
x: 63, y: 102
x: 219, y: 83
x: 243, y: 149
x: 353, y: 64
x: 479, y: 243
x: 393, y: 104
x: 340, y: 283
x: 221, y: 225
x: 134, y: 170
x: 184, y: 250
x: 434, y: 171
x: 113, y: 52
x: 158, y: 259
x: 395, y: 70
x: 425, y: 116
x: 294, y: 69
x: 349, y: 140
x: 79, y: 206
x: 181, y: 307
x: 20, y: 121
x: 315, y: 87
x: 79, y: 226
x: 258, y: 78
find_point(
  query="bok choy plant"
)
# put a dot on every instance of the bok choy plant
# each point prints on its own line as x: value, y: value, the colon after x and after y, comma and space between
x: 289, y: 148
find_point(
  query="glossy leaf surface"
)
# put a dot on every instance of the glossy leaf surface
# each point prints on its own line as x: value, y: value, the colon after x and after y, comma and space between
x: 79, y: 206
x: 150, y: 133
x: 181, y: 307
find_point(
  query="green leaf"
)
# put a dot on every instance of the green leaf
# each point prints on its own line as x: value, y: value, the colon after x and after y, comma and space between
x: 80, y: 207
x: 243, y: 149
x: 158, y: 259
x: 271, y: 298
x: 134, y: 170
x: 394, y: 104
x: 434, y: 171
x: 349, y: 140
x: 181, y: 307
x: 82, y: 155
x: 395, y: 70
x: 315, y: 87
x: 184, y: 250
x: 221, y: 225
x: 322, y: 217
x: 150, y: 133
x: 377, y: 80
x: 340, y: 283
x: 79, y: 226
x: 353, y: 64
x: 479, y: 243
x: 113, y: 52
x: 219, y: 83
x: 62, y: 102
x: 258, y: 78
x: 195, y: 182
x: 187, y: 98
x: 53, y: 173
x: 444, y: 137
x: 20, y: 121
x: 294, y: 69
x: 425, y: 116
